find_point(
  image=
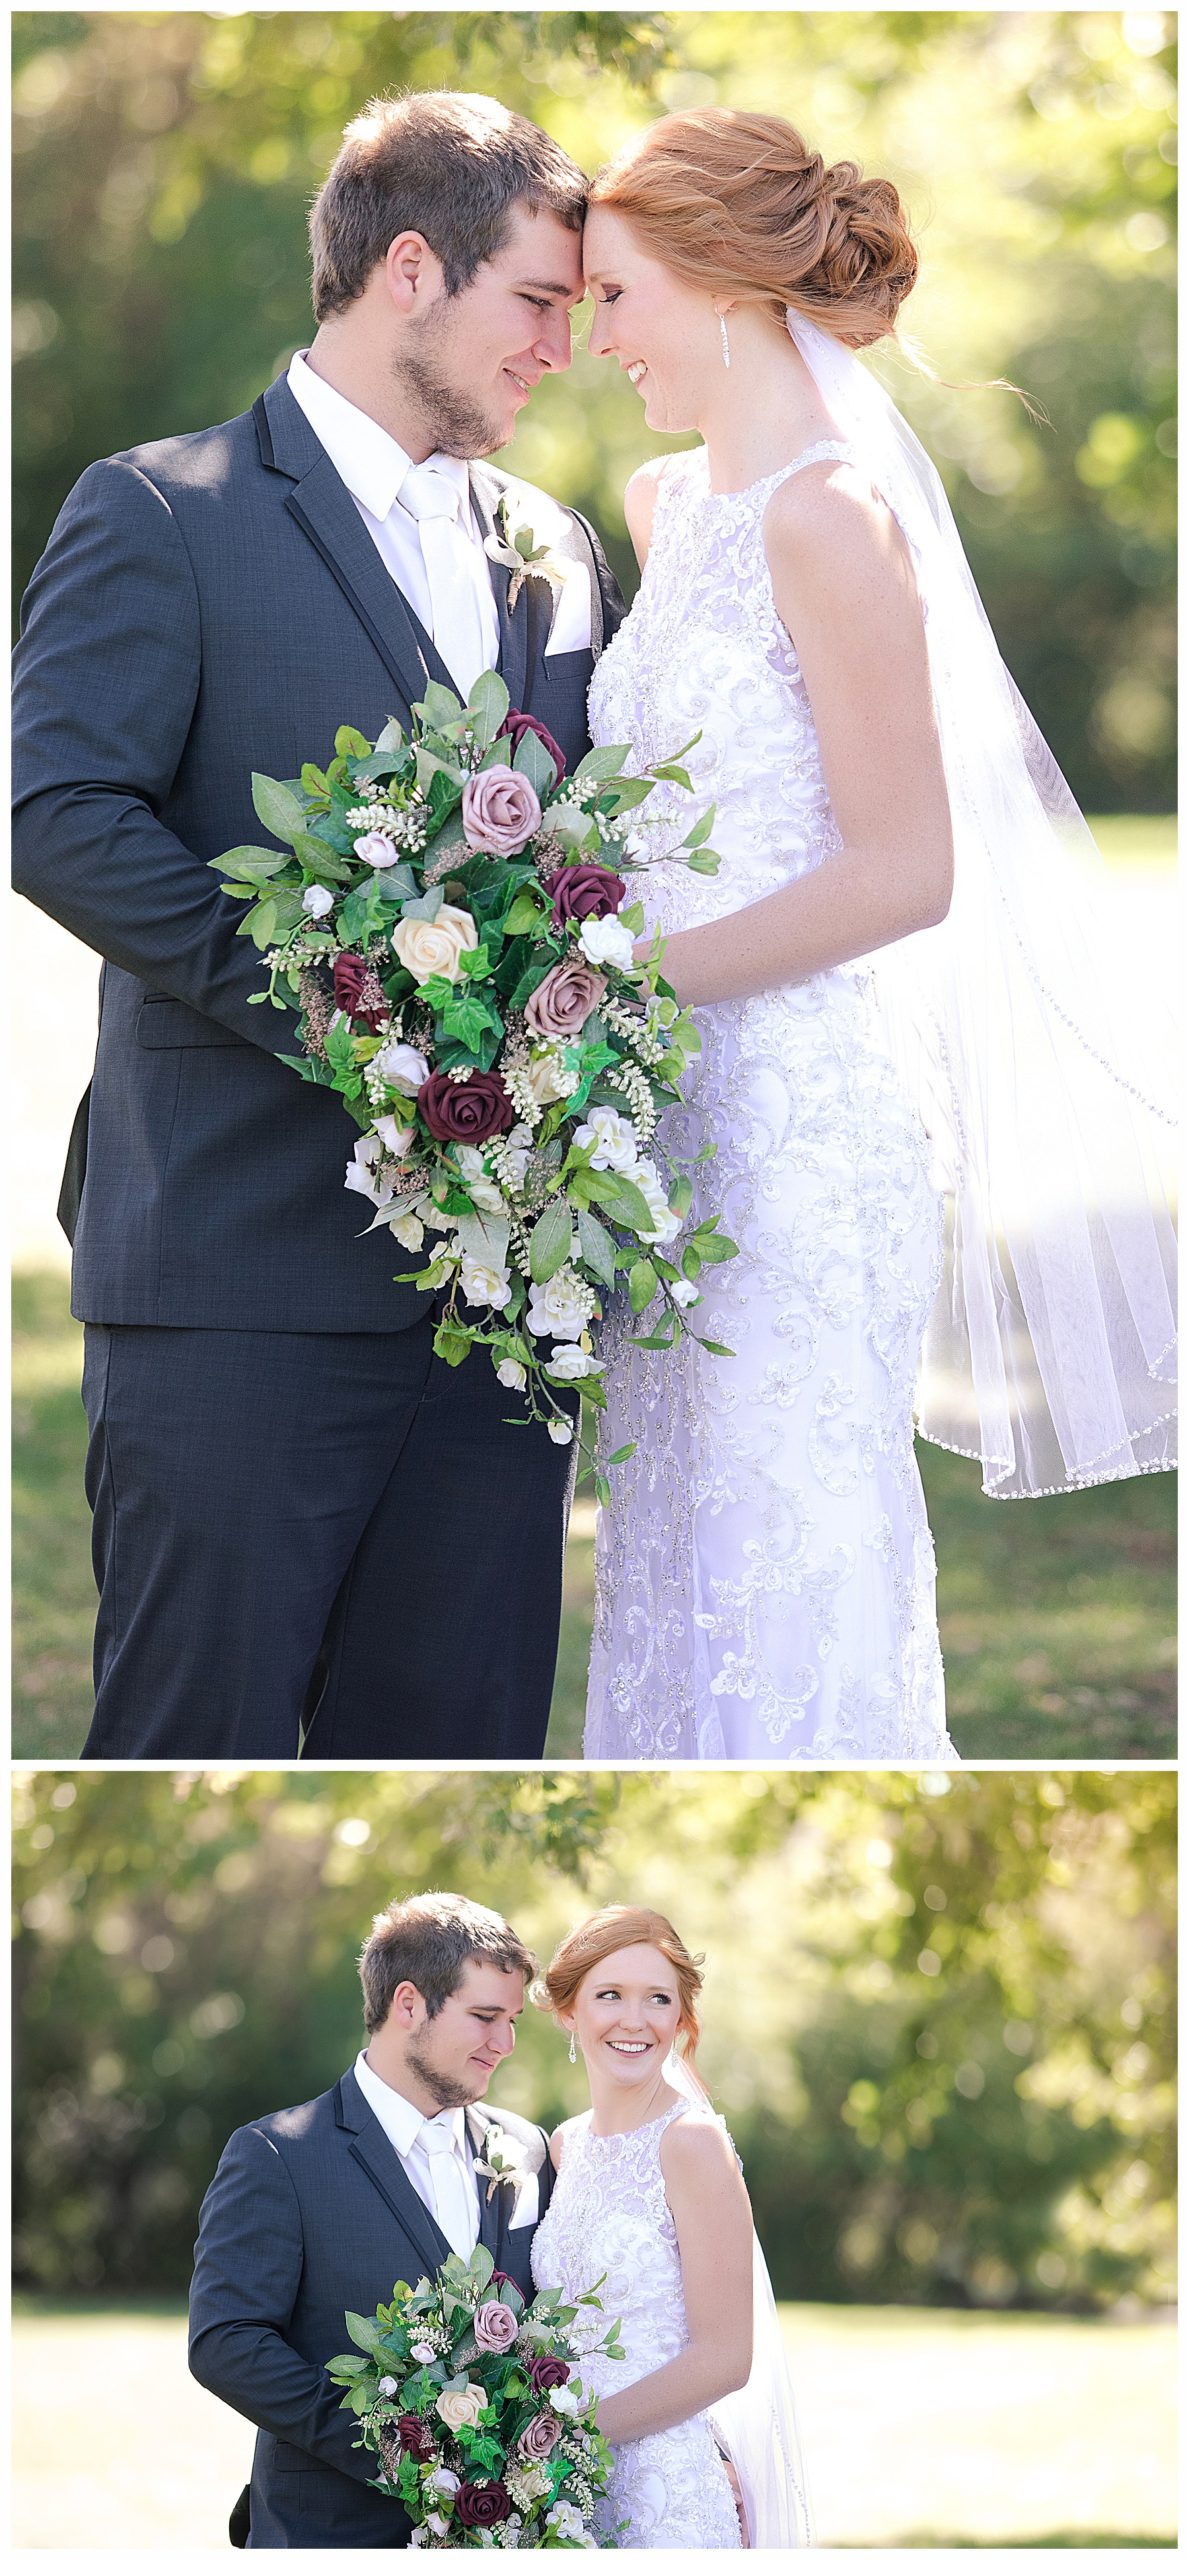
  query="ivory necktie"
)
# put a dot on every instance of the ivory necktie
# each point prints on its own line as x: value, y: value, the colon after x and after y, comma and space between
x: 454, y: 2206
x: 454, y: 567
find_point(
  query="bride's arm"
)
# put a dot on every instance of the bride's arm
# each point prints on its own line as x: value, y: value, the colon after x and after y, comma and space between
x: 708, y: 2202
x: 845, y: 590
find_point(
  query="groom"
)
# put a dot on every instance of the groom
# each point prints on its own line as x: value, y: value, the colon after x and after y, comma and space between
x: 321, y: 2209
x: 303, y: 1521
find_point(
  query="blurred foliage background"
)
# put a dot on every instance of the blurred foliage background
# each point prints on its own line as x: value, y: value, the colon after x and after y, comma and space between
x: 163, y: 164
x: 938, y: 2007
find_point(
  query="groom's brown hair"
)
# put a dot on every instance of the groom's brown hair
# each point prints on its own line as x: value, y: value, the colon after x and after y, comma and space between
x: 443, y: 162
x: 428, y: 1940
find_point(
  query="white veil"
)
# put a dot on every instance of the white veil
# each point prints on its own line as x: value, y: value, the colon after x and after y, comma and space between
x: 1050, y: 1351
x: 757, y: 2426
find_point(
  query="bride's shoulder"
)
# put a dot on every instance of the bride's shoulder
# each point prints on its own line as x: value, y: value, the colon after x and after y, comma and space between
x: 641, y: 494
x: 697, y: 2151
x: 557, y: 2139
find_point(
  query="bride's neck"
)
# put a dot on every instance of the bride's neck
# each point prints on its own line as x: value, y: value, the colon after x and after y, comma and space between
x: 763, y: 410
x: 622, y: 2110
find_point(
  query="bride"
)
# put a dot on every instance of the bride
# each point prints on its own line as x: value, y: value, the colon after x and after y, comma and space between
x: 650, y: 2207
x: 895, y: 977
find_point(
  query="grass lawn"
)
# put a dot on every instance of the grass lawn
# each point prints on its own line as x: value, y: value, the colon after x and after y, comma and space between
x: 922, y: 2429
x: 1057, y: 1617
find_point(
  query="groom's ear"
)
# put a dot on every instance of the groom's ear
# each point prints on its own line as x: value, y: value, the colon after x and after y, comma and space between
x: 413, y: 273
x: 405, y: 2006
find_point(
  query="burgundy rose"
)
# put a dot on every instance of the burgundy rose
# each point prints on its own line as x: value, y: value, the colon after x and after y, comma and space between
x: 546, y: 2373
x: 539, y: 2437
x: 467, y: 1112
x: 415, y: 2437
x: 585, y: 889
x: 480, y: 2502
x: 357, y: 990
x: 564, y: 1000
x: 521, y: 724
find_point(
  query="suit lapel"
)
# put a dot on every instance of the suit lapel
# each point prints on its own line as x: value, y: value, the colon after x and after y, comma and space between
x: 324, y: 508
x: 374, y: 2153
x: 514, y: 626
x: 491, y: 2217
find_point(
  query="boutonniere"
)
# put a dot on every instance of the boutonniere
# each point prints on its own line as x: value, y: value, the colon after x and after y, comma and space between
x: 502, y: 2159
x: 515, y: 546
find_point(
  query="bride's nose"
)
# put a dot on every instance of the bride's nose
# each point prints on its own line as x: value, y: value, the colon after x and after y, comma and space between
x: 599, y: 341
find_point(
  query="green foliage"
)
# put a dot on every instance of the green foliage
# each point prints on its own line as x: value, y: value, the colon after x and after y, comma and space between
x: 938, y: 2007
x: 164, y: 164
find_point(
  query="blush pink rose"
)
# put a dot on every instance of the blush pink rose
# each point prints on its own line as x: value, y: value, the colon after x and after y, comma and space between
x: 539, y: 2437
x: 564, y: 1000
x: 495, y: 2327
x: 500, y: 811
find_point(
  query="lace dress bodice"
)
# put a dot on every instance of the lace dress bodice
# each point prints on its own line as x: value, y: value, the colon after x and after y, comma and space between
x: 608, y: 2226
x: 765, y: 1580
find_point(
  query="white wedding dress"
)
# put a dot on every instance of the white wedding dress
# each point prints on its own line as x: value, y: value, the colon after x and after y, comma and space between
x: 765, y: 1573
x: 608, y: 2225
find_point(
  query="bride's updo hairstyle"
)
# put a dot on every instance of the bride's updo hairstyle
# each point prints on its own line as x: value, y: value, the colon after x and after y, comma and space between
x: 607, y: 1933
x: 737, y: 205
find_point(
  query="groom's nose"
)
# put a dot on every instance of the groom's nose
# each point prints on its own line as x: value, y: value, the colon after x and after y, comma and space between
x: 551, y: 346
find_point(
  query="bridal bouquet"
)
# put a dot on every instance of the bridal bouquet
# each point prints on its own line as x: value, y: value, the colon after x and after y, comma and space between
x: 450, y: 917
x: 464, y: 2394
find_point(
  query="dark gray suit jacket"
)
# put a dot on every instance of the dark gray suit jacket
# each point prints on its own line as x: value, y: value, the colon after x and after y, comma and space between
x: 205, y: 607
x: 310, y: 2214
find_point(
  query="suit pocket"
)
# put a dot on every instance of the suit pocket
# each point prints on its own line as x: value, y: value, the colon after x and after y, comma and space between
x: 570, y: 666
x: 163, y: 1023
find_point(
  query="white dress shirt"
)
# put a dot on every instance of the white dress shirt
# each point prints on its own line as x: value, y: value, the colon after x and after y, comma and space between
x: 403, y: 2122
x: 372, y: 466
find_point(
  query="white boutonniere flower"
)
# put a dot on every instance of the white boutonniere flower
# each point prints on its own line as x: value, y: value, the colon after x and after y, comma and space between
x: 515, y: 546
x: 503, y: 2159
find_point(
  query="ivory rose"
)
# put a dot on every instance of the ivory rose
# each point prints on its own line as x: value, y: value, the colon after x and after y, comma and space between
x: 461, y: 2408
x: 433, y: 950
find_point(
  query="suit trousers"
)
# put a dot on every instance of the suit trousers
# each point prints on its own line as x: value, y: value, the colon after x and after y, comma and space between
x: 334, y: 1536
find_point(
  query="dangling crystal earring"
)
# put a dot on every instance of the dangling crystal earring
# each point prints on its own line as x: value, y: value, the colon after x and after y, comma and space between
x: 573, y: 2047
x: 726, y: 343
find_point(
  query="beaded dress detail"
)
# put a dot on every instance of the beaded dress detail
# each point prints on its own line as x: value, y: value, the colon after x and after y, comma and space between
x: 765, y: 1580
x: 609, y: 2218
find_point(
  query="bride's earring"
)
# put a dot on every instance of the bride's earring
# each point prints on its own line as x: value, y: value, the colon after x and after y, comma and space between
x: 573, y: 2047
x: 726, y: 343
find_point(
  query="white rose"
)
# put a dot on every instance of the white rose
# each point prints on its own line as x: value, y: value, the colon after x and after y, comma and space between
x: 485, y: 1193
x: 432, y: 950
x: 481, y: 1286
x: 511, y: 1374
x: 388, y: 2387
x: 566, y: 2398
x: 614, y: 1149
x: 563, y: 1433
x: 569, y: 1362
x: 604, y: 938
x: 665, y: 1221
x: 423, y: 2355
x: 519, y: 1144
x: 377, y: 849
x: 409, y: 1232
x: 549, y: 1078
x: 361, y: 1174
x: 562, y: 1306
x: 398, y: 1135
x: 684, y: 1292
x: 443, y: 2479
x: 401, y: 1065
x: 317, y: 900
x: 436, y: 2524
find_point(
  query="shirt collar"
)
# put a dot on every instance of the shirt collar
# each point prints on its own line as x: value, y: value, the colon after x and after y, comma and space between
x: 367, y: 459
x: 402, y: 2121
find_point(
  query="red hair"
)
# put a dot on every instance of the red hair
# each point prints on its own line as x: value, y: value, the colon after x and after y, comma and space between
x: 607, y: 1933
x: 738, y: 205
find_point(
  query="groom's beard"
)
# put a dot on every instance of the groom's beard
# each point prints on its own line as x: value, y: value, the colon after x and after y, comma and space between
x: 449, y: 415
x: 436, y: 2084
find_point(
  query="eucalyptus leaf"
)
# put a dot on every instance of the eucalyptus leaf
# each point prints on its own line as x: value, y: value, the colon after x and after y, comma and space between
x: 439, y: 707
x: 534, y: 761
x: 487, y: 703
x: 552, y: 1237
x: 278, y: 808
x: 250, y: 861
x: 600, y: 764
x: 391, y: 735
